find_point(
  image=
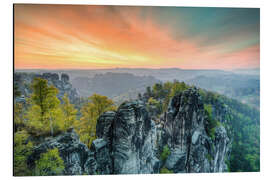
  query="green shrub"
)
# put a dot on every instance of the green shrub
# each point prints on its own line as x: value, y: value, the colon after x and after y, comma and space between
x: 165, y: 153
x: 154, y: 104
x: 50, y: 163
x: 22, y: 149
x: 227, y: 162
x: 165, y: 171
x: 209, y: 157
x: 211, y: 123
x: 212, y: 132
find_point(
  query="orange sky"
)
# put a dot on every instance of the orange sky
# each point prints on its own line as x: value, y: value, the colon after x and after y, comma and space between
x: 94, y: 37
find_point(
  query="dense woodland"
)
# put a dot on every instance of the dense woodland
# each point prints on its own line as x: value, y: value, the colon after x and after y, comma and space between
x: 44, y: 115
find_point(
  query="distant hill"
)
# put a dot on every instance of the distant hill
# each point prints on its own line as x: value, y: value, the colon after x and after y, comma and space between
x: 163, y: 74
x: 254, y: 71
x: 113, y: 84
x: 245, y: 88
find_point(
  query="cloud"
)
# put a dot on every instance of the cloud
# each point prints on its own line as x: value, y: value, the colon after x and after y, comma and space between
x: 73, y: 36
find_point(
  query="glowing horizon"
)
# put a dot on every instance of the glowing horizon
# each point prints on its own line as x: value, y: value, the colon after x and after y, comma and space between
x: 105, y: 37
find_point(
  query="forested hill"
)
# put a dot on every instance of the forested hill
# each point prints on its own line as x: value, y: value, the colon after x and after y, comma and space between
x: 242, y: 87
x: 171, y: 128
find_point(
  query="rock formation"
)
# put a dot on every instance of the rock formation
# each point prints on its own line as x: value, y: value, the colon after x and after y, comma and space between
x: 192, y: 150
x: 130, y: 142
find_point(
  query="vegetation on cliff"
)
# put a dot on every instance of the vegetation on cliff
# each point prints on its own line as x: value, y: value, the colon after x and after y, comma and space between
x: 50, y: 163
x: 44, y: 115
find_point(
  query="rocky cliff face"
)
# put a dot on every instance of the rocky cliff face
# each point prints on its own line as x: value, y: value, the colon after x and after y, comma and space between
x: 126, y: 142
x: 130, y: 142
x: 192, y: 150
x: 134, y: 137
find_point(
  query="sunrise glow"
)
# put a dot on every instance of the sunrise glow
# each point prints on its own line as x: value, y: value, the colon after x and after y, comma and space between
x: 97, y: 37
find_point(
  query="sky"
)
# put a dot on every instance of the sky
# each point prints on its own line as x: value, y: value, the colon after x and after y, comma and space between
x: 102, y: 37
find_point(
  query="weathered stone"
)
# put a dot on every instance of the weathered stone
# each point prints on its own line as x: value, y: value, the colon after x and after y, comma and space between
x: 192, y: 149
x: 104, y: 125
x: 100, y: 161
x: 71, y: 150
x: 133, y: 151
x: 64, y: 78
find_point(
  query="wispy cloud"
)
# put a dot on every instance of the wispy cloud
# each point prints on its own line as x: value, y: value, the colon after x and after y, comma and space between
x: 66, y: 36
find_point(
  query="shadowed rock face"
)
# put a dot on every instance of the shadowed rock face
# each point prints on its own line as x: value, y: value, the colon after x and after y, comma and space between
x: 104, y: 125
x: 129, y: 142
x: 99, y: 160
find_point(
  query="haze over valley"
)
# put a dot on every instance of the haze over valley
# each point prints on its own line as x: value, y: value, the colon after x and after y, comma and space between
x: 125, y: 83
